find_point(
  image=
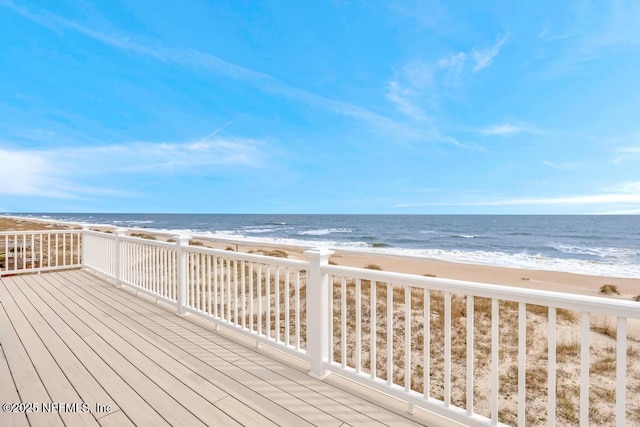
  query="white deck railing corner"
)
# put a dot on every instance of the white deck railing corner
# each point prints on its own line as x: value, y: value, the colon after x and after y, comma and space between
x: 318, y: 312
x: 181, y: 272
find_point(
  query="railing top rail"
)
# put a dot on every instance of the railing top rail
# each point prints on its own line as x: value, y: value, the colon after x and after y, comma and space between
x: 28, y: 232
x: 592, y: 304
x: 241, y: 256
x: 156, y: 243
x: 99, y: 233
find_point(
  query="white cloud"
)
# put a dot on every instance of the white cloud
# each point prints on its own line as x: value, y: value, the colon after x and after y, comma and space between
x: 484, y: 59
x: 625, y: 153
x: 452, y: 68
x: 627, y: 187
x: 594, y: 199
x: 634, y: 150
x: 503, y: 129
x: 562, y: 166
x: 59, y: 173
x: 401, y: 99
x: 29, y: 173
x: 452, y: 61
x: 506, y: 129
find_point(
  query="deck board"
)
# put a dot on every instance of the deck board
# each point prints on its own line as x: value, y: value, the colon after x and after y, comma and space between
x: 71, y: 337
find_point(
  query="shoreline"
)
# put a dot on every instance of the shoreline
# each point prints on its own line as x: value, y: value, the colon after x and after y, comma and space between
x: 550, y: 280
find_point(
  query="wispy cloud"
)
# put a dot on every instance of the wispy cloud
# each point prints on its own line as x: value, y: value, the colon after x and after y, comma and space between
x: 400, y: 97
x: 503, y: 129
x: 36, y: 173
x: 563, y: 166
x: 625, y: 153
x: 193, y: 58
x: 484, y: 58
x: 507, y: 129
x: 592, y: 199
x: 58, y: 173
x: 627, y: 187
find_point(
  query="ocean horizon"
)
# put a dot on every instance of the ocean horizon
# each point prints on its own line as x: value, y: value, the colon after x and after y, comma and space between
x: 584, y: 244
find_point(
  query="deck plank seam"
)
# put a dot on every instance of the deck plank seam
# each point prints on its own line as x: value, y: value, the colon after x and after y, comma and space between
x: 63, y: 341
x: 4, y: 290
x: 115, y: 371
x: 177, y: 320
x: 170, y: 317
x: 145, y: 374
x: 163, y: 327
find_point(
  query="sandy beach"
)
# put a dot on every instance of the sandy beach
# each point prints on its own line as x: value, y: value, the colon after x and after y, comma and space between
x: 523, y: 278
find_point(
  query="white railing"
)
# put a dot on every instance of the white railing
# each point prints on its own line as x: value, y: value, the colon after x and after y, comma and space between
x: 413, y: 357
x: 34, y: 251
x: 464, y: 350
x: 257, y: 295
x: 99, y: 251
x: 148, y: 266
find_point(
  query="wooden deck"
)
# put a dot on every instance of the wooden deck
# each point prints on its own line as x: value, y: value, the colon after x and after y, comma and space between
x: 71, y: 338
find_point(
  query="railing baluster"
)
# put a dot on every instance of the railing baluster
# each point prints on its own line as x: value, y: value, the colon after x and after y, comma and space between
x: 585, y: 348
x: 287, y: 307
x: 494, y: 360
x: 621, y: 370
x: 228, y: 291
x: 259, y: 299
x: 522, y: 362
x: 297, y: 314
x: 407, y: 338
x: 277, y: 304
x: 202, y: 274
x: 373, y: 329
x: 251, y: 312
x: 426, y: 377
x: 343, y: 320
x: 33, y: 254
x: 235, y: 292
x: 209, y: 280
x: 268, y: 294
x: 551, y: 370
x: 470, y: 352
x: 331, y: 314
x: 389, y: 333
x: 216, y: 261
x: 358, y: 325
x: 244, y: 301
x: 222, y: 286
x: 447, y: 348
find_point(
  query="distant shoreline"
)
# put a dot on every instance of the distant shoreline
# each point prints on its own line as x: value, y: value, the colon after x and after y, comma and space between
x: 510, y: 276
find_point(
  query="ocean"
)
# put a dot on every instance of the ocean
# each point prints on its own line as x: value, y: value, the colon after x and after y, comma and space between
x: 595, y: 245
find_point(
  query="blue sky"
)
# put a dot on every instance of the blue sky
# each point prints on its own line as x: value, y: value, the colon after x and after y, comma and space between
x: 320, y: 107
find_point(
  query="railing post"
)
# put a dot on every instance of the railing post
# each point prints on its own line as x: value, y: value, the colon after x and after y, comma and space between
x: 181, y: 274
x: 120, y: 233
x: 318, y: 300
x: 83, y: 253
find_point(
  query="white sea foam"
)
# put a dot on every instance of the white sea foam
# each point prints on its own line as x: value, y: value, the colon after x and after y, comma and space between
x: 258, y: 230
x: 325, y: 231
x: 613, y: 268
x: 134, y: 222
